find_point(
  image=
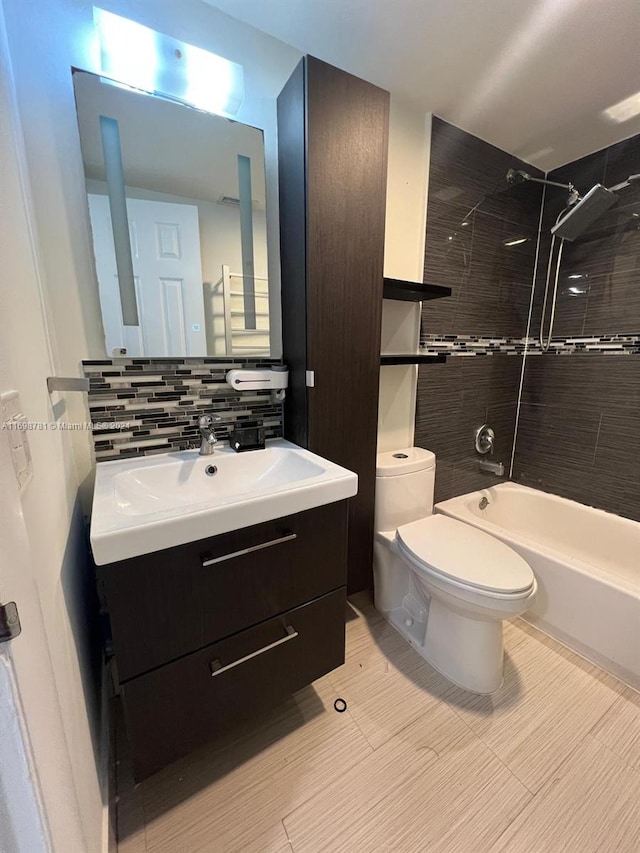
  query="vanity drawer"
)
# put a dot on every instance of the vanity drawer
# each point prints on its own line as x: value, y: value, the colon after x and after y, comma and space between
x: 169, y: 603
x: 185, y: 703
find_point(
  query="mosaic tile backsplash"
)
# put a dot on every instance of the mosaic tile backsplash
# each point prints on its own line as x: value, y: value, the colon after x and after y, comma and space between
x: 147, y: 406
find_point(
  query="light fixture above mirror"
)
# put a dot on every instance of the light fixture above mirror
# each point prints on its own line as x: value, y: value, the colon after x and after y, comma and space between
x: 142, y: 58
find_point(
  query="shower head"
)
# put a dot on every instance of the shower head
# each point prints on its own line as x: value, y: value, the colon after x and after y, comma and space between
x: 584, y: 213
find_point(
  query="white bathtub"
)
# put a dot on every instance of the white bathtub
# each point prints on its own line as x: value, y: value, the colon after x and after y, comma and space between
x: 586, y: 561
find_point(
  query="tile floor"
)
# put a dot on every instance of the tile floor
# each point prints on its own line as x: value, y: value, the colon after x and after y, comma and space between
x: 550, y: 763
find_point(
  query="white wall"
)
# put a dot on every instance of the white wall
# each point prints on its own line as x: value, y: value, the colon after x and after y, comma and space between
x: 407, y: 187
x: 49, y: 36
x: 67, y: 738
x: 46, y: 38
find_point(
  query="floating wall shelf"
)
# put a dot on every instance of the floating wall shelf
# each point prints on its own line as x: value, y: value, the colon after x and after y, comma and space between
x: 412, y: 358
x: 412, y: 291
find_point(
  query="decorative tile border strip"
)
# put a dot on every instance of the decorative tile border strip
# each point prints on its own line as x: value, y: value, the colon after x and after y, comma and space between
x: 460, y: 345
x: 142, y: 406
x: 597, y: 344
x: 471, y: 345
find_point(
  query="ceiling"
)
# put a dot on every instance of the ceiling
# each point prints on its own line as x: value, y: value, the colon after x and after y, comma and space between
x: 530, y: 76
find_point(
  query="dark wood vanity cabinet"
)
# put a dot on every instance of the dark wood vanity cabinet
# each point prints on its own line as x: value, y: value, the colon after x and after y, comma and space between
x: 332, y: 154
x: 207, y: 633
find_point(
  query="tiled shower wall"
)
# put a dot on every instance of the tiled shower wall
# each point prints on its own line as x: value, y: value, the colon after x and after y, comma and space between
x: 145, y: 406
x: 579, y: 428
x: 481, y: 241
x: 579, y: 419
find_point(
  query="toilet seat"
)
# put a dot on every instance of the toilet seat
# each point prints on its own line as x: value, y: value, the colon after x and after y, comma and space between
x: 465, y: 556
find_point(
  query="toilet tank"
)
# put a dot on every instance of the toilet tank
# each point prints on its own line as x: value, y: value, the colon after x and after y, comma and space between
x: 404, y: 486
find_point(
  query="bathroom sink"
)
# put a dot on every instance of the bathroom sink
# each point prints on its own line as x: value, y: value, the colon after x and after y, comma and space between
x: 149, y: 503
x: 194, y: 480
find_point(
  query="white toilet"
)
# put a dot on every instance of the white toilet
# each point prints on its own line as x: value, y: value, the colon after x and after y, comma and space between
x: 444, y: 585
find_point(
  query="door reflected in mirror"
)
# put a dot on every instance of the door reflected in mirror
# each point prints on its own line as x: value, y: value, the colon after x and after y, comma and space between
x: 177, y: 206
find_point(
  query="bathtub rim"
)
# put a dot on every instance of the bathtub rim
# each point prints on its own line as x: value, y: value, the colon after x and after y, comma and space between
x: 456, y: 508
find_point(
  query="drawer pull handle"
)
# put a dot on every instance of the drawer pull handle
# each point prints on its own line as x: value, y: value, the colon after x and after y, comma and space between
x: 287, y: 538
x: 218, y: 669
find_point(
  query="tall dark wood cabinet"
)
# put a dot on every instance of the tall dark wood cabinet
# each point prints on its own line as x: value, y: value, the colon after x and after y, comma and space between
x: 332, y: 151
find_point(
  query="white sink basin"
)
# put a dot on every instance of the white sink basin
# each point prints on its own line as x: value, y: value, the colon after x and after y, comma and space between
x: 184, y: 483
x: 150, y: 503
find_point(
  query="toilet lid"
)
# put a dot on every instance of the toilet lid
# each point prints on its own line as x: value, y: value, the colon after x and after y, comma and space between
x: 465, y: 554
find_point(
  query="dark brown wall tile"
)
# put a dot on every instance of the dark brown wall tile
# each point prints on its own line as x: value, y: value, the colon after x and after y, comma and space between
x: 472, y: 214
x: 613, y: 304
x: 583, y: 174
x: 623, y: 159
x: 606, y: 257
x: 453, y: 400
x: 467, y: 171
x: 579, y: 430
x: 579, y: 421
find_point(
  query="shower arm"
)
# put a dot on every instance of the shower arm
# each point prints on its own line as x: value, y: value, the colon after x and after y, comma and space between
x: 514, y: 177
x: 569, y: 187
x: 630, y: 180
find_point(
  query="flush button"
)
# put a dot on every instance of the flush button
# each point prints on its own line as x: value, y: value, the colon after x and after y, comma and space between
x: 400, y: 455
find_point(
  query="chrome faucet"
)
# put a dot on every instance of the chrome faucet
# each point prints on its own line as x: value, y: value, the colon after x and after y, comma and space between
x: 208, y: 438
x: 496, y: 468
x: 485, y: 439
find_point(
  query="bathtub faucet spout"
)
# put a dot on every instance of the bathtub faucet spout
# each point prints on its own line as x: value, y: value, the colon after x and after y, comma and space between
x: 488, y: 467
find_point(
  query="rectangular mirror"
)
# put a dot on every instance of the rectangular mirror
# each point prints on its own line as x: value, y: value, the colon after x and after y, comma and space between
x: 177, y: 206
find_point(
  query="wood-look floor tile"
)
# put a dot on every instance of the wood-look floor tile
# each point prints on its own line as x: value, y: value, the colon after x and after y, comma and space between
x: 619, y: 729
x: 590, y: 805
x: 365, y: 630
x: 450, y: 770
x: 384, y: 681
x: 233, y: 797
x: 272, y: 839
x: 549, y: 702
x: 435, y: 787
